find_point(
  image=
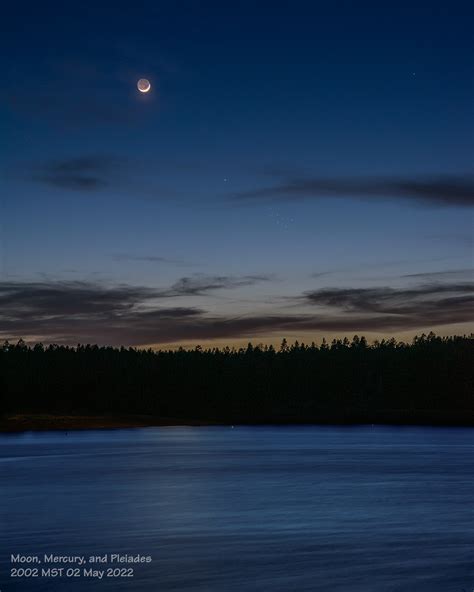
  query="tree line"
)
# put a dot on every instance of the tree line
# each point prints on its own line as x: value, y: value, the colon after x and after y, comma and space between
x: 429, y: 380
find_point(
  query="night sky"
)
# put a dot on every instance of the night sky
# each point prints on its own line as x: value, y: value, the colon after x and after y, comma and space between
x: 298, y: 169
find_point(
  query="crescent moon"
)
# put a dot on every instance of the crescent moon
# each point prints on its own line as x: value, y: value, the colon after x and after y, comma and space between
x: 143, y: 85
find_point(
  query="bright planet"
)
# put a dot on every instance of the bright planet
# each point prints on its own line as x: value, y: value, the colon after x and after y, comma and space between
x: 143, y: 85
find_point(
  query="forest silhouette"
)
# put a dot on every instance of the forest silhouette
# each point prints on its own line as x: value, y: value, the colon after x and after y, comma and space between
x: 429, y: 381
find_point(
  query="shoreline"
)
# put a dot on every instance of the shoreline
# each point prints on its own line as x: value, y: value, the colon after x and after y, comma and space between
x: 44, y: 422
x: 24, y: 422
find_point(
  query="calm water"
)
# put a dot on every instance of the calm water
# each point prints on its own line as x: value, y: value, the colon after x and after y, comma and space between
x: 245, y: 509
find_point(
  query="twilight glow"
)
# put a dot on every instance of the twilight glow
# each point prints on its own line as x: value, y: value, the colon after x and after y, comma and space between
x: 305, y: 173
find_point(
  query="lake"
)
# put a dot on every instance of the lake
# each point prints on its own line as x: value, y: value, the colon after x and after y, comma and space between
x: 277, y: 509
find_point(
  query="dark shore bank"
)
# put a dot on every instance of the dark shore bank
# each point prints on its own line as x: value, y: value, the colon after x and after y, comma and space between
x: 44, y: 422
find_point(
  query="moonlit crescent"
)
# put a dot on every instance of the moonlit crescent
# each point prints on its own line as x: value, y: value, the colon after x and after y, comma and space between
x: 143, y: 85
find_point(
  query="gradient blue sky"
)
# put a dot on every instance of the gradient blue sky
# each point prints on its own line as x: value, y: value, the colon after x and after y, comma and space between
x: 299, y: 169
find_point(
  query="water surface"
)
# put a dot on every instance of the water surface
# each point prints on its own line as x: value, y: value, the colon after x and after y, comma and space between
x: 247, y: 509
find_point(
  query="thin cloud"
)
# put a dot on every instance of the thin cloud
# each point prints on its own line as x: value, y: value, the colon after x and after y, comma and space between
x: 435, y: 275
x: 152, y: 259
x: 27, y: 300
x: 441, y: 191
x: 199, y: 285
x: 80, y: 297
x: 319, y: 274
x: 403, y: 308
x: 89, y: 173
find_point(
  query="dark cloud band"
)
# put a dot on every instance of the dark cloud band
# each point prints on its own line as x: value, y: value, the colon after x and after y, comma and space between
x: 443, y: 191
x: 72, y: 312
